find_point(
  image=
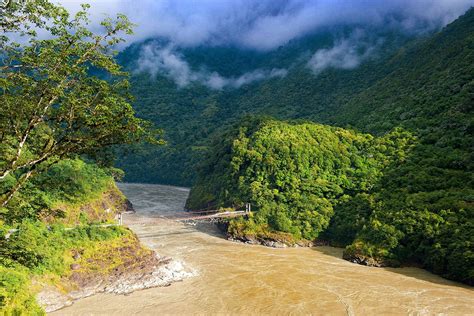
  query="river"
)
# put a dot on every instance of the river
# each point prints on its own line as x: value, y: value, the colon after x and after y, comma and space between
x: 234, y: 278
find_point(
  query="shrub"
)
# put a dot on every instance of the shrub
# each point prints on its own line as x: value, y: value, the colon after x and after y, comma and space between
x: 16, y: 297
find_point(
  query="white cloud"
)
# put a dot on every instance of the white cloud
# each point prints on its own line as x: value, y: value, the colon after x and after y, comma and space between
x: 165, y: 60
x: 156, y: 59
x: 267, y: 24
x: 347, y: 53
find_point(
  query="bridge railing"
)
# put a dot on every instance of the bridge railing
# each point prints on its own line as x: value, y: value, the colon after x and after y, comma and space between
x: 214, y: 214
x: 211, y: 211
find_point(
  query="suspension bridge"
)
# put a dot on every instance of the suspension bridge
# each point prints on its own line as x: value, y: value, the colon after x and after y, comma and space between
x: 193, y: 216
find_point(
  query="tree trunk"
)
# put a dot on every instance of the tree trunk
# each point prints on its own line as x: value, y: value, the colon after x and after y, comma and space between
x: 9, y: 195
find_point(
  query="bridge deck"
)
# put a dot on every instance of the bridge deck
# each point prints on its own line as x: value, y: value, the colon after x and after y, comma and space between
x: 191, y: 216
x: 188, y: 216
x: 210, y: 216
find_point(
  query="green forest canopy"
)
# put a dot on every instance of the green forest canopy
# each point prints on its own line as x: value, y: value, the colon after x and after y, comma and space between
x: 309, y: 180
x: 53, y: 106
x: 423, y: 84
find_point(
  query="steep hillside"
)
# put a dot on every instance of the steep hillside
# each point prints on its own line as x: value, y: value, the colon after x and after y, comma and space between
x: 192, y: 113
x: 419, y: 209
x: 311, y: 181
x: 431, y: 85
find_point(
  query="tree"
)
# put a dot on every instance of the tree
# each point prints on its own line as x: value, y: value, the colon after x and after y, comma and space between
x: 296, y: 174
x: 23, y: 16
x: 63, y: 94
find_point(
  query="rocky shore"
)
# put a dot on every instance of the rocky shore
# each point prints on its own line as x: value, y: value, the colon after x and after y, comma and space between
x: 269, y: 242
x: 118, y: 267
x: 273, y: 240
x: 154, y: 272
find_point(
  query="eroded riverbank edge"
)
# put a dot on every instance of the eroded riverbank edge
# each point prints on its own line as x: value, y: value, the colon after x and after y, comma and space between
x: 156, y: 271
x: 124, y: 268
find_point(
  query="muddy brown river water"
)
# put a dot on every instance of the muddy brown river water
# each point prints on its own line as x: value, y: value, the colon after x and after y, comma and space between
x: 241, y: 279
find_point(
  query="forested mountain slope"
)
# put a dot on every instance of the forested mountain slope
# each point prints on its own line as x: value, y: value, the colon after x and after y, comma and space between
x: 192, y: 113
x: 431, y: 85
x: 418, y: 208
x: 311, y: 181
x: 425, y: 86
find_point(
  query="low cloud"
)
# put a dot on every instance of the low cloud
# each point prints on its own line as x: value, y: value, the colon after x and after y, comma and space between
x: 268, y: 24
x: 216, y: 81
x: 166, y: 60
x: 263, y: 25
x: 155, y: 60
x: 346, y: 53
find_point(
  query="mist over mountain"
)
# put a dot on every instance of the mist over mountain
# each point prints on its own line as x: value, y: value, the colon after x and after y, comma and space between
x: 268, y: 24
x: 167, y: 31
x: 194, y: 91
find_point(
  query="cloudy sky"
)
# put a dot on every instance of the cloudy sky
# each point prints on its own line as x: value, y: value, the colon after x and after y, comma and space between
x: 263, y: 25
x: 267, y: 24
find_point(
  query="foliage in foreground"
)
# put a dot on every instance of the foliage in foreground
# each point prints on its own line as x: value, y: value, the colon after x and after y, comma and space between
x: 37, y: 250
x: 69, y: 183
x: 63, y: 100
x: 16, y: 297
x: 62, y: 96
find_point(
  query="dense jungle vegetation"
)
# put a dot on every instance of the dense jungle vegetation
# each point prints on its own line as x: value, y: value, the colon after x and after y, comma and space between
x: 190, y: 115
x: 295, y: 174
x: 64, y: 104
x: 418, y: 210
x: 311, y: 181
x: 418, y: 85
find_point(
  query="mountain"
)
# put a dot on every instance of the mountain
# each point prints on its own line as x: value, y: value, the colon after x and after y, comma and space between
x: 402, y: 197
x: 419, y: 209
x: 191, y: 114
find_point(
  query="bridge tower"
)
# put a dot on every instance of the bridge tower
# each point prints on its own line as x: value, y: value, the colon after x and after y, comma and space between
x: 247, y: 208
